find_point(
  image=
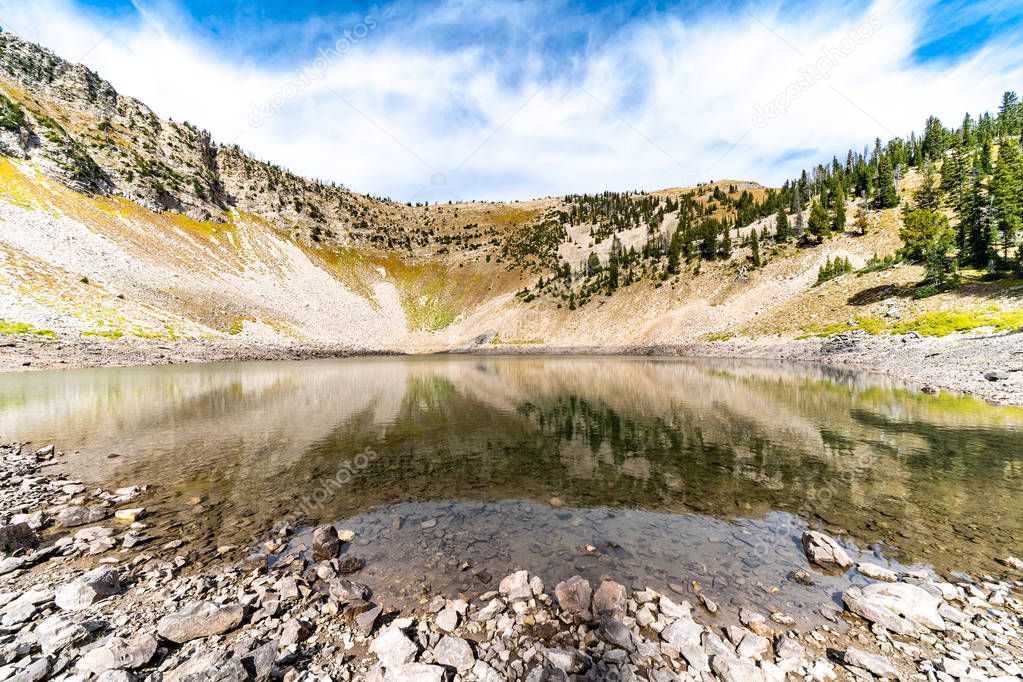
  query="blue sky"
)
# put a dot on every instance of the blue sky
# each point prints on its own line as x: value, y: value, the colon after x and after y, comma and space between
x: 503, y: 100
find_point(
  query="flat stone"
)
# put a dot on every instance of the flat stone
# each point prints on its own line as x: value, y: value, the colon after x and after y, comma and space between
x: 343, y: 589
x: 200, y: 619
x: 59, y: 632
x: 672, y: 610
x: 118, y: 652
x: 76, y: 515
x: 447, y: 619
x: 910, y: 601
x: 37, y: 670
x: 367, y: 620
x: 878, y: 572
x: 208, y: 666
x: 615, y: 633
x: 873, y: 663
x: 17, y: 536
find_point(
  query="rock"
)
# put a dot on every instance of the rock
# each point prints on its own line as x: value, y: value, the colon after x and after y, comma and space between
x: 58, y: 632
x: 696, y: 658
x: 129, y: 515
x: 996, y: 375
x: 515, y: 587
x: 415, y: 672
x: 910, y: 601
x: 294, y: 632
x: 610, y: 599
x: 1012, y: 562
x: 345, y: 590
x: 574, y: 595
x: 75, y: 515
x: 536, y: 585
x: 367, y: 620
x: 447, y: 619
x: 878, y: 572
x: 11, y: 564
x: 35, y: 671
x: 326, y: 544
x: 118, y: 652
x: 17, y: 536
x: 349, y: 564
x: 208, y: 666
x: 260, y: 661
x: 115, y: 676
x: 824, y: 550
x: 672, y: 610
x: 734, y: 670
x: 454, y: 652
x: 753, y: 646
x: 88, y: 589
x: 787, y: 648
x: 615, y: 633
x: 200, y: 619
x: 393, y: 647
x: 802, y: 577
x: 566, y: 660
x: 682, y: 632
x: 484, y: 673
x: 873, y: 663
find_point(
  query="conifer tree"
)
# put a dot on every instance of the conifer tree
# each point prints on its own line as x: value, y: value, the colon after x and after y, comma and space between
x: 838, y: 221
x: 782, y: 232
x: 819, y: 226
x: 1006, y: 188
x: 887, y: 195
x: 754, y: 245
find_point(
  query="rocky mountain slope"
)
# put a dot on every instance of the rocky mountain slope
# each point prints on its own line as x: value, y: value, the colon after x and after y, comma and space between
x: 118, y: 224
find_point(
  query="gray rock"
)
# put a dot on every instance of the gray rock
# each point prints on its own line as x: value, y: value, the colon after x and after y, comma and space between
x: 753, y: 646
x: 824, y: 550
x: 76, y: 515
x: 393, y: 647
x: 35, y: 671
x: 260, y: 661
x: 610, y: 599
x: 118, y: 652
x: 58, y: 632
x: 454, y: 652
x: 879, y: 613
x: 574, y: 595
x: 485, y: 673
x: 325, y: 543
x: 200, y: 619
x: 345, y: 590
x: 996, y: 375
x: 11, y: 564
x: 208, y: 666
x: 615, y: 633
x: 696, y: 657
x: 734, y: 670
x: 567, y: 660
x: 672, y: 610
x: 115, y: 676
x: 294, y: 632
x: 873, y: 663
x: 909, y: 601
x: 88, y: 589
x: 367, y: 620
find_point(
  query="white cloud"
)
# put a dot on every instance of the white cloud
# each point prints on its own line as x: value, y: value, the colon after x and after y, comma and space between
x: 664, y: 102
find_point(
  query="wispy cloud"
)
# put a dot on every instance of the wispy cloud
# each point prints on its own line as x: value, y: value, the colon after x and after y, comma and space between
x: 513, y: 100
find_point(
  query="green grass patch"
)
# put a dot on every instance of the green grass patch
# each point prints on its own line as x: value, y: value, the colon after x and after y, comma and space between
x: 24, y: 328
x: 938, y: 323
x: 105, y: 333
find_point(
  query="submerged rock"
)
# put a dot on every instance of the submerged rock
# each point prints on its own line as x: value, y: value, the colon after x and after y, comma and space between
x: 326, y: 543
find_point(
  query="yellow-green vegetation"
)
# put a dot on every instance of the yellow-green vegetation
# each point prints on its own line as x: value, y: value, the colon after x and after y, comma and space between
x: 720, y: 336
x: 935, y: 323
x: 105, y: 333
x: 24, y: 328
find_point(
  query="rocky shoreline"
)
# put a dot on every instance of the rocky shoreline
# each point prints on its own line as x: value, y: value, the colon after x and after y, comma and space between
x: 989, y: 367
x: 86, y: 593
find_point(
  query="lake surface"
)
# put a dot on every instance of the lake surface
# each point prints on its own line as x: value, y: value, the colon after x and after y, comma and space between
x: 455, y: 470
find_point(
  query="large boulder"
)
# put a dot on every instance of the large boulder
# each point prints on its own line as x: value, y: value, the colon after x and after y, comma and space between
x: 454, y: 652
x: 200, y: 619
x: 76, y: 515
x: 393, y: 647
x: 88, y: 589
x: 326, y: 544
x: 17, y: 536
x: 824, y: 550
x: 900, y: 607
